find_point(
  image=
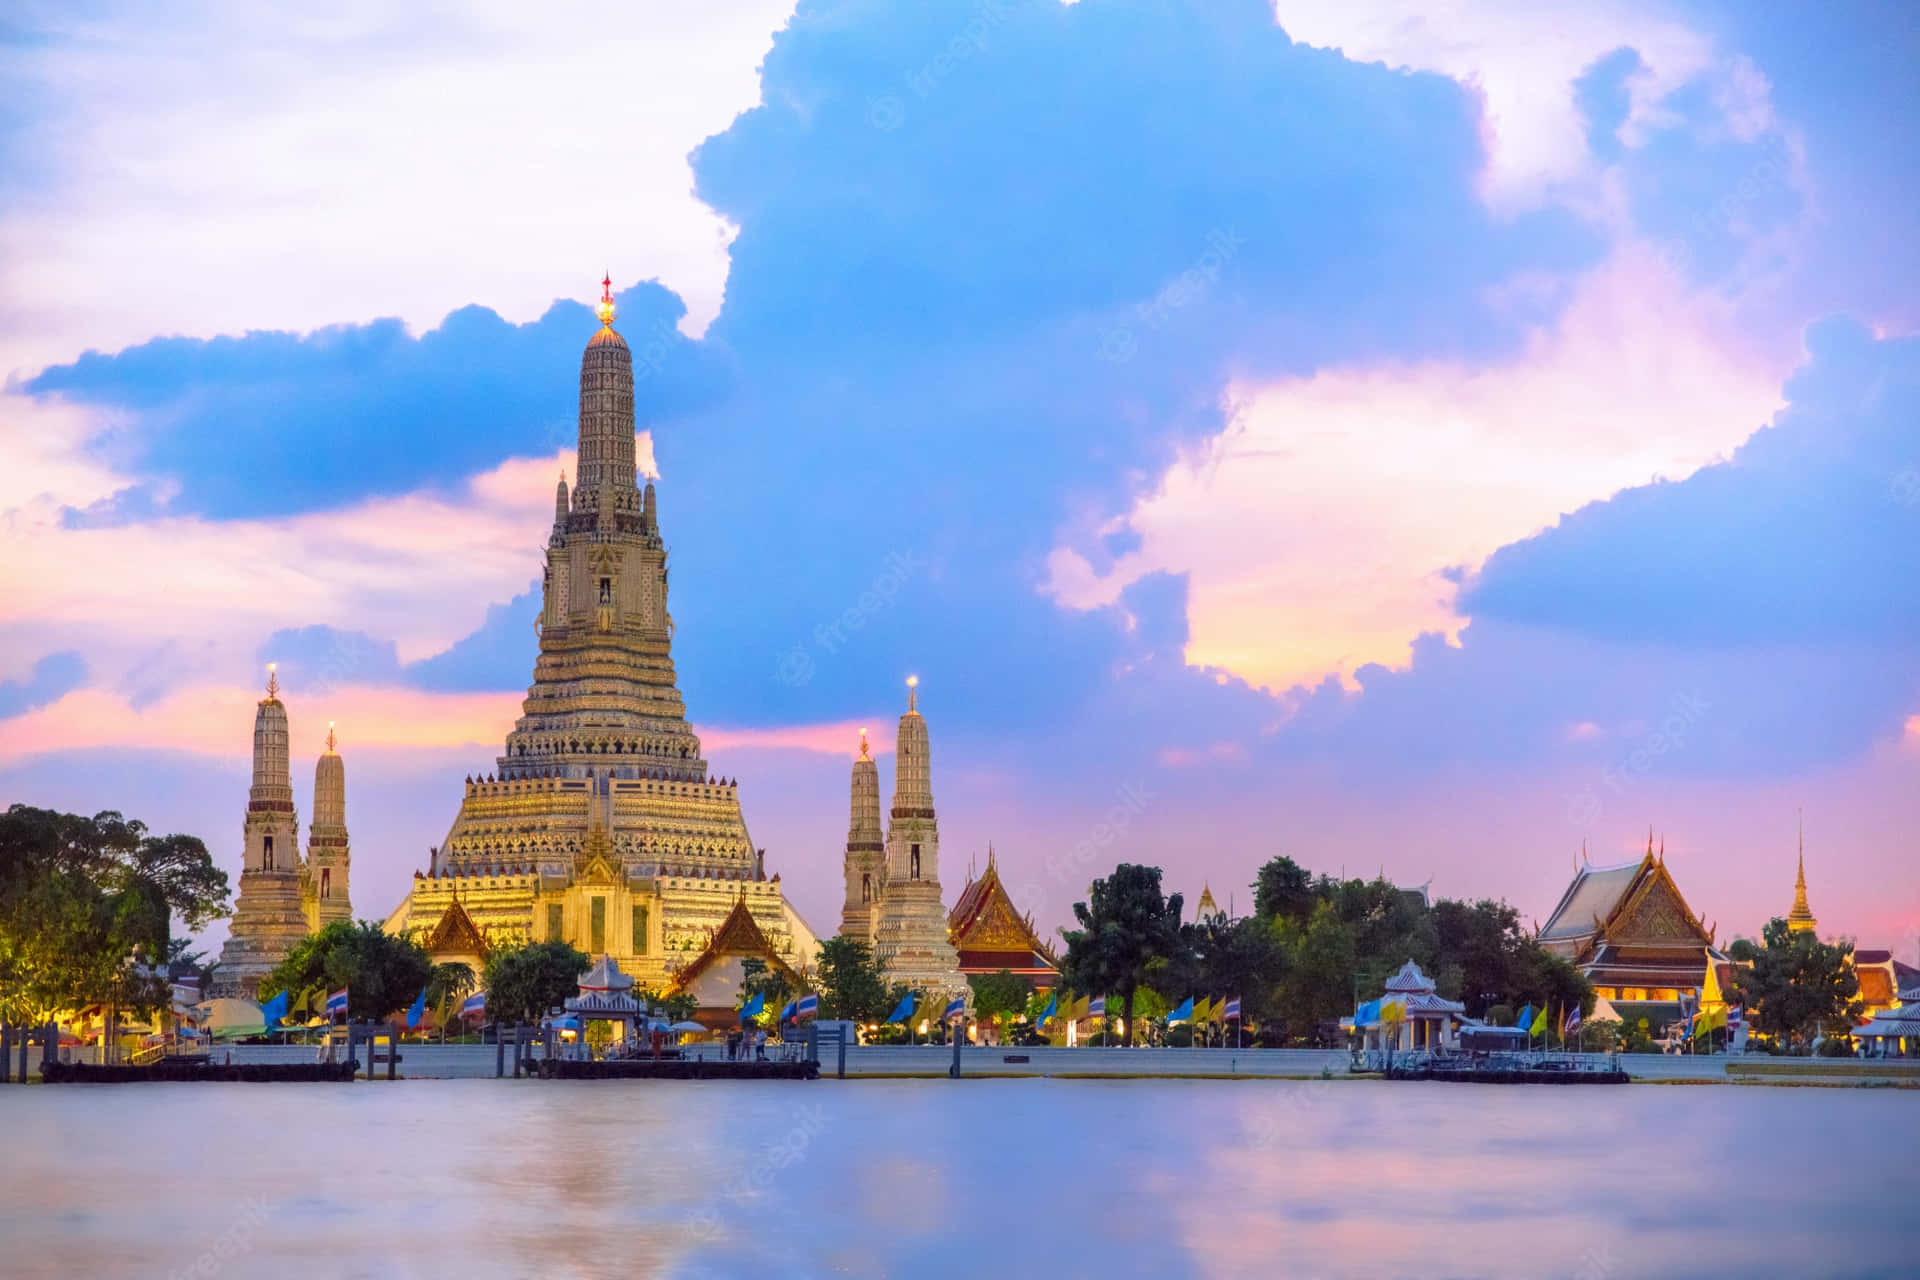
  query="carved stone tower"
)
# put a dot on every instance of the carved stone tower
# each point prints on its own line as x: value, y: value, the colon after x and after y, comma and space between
x: 866, y: 852
x: 267, y: 915
x: 328, y: 858
x: 910, y: 940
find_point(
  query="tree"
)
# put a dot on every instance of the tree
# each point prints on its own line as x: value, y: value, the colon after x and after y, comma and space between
x: 447, y: 985
x: 998, y: 996
x: 381, y: 972
x: 524, y: 982
x: 851, y: 984
x: 757, y: 978
x: 1283, y: 888
x: 85, y: 900
x: 1797, y: 987
x: 1126, y: 924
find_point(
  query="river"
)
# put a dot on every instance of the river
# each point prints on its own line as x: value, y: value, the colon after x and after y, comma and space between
x: 982, y: 1178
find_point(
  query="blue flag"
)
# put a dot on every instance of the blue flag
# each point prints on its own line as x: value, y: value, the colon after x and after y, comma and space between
x: 787, y: 1012
x: 275, y: 1009
x: 903, y: 1011
x: 418, y: 1012
x: 751, y: 1009
x: 1525, y: 1019
x: 1183, y: 1014
x: 1053, y: 1007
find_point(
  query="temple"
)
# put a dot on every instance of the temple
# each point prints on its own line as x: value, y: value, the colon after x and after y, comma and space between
x: 602, y: 825
x: 905, y: 920
x: 990, y: 935
x: 1629, y: 930
x: 284, y: 897
x: 716, y: 977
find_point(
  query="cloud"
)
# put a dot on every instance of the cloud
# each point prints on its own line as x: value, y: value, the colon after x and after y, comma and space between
x: 1805, y: 536
x: 51, y: 679
x: 275, y: 424
x: 1318, y: 529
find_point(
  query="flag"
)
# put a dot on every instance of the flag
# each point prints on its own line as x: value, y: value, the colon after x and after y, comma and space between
x: 1233, y: 1008
x: 955, y: 1007
x: 1183, y: 1014
x: 1572, y: 1022
x: 787, y: 1012
x: 1525, y: 1019
x: 808, y: 1006
x: 1367, y: 1015
x: 902, y: 1012
x: 1539, y: 1027
x: 474, y: 1004
x: 1078, y: 1009
x: 336, y: 1002
x: 751, y: 1009
x: 1393, y: 1010
x: 1097, y: 1007
x: 1046, y: 1014
x: 274, y: 1010
x: 417, y: 1011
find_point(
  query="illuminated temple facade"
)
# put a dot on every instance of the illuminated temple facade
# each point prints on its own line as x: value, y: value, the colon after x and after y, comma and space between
x: 1629, y: 930
x: 284, y: 897
x: 602, y: 825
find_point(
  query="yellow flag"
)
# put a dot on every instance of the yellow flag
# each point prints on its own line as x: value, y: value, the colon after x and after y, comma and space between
x: 1539, y: 1027
x: 1080, y: 1007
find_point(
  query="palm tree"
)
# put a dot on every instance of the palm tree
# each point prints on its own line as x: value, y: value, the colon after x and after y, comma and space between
x: 447, y: 984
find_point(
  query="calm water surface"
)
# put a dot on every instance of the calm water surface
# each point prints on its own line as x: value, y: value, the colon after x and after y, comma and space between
x: 936, y: 1178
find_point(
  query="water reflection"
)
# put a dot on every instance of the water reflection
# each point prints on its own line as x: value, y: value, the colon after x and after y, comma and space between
x: 932, y: 1178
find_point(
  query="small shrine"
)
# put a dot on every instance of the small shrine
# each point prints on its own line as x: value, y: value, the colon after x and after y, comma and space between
x: 1410, y: 1016
x: 606, y: 995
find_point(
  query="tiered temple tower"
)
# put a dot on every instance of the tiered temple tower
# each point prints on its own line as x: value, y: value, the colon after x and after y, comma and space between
x: 602, y: 826
x: 268, y: 918
x: 328, y: 858
x: 1800, y: 918
x: 910, y: 939
x: 866, y: 861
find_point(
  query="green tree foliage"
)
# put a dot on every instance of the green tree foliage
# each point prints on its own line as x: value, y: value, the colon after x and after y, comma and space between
x: 999, y: 997
x: 851, y: 984
x: 447, y: 985
x: 1796, y: 986
x: 83, y: 899
x: 1126, y: 925
x: 524, y: 982
x: 1283, y: 889
x: 382, y: 973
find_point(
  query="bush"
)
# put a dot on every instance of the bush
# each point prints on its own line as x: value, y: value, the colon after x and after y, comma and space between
x: 1835, y: 1047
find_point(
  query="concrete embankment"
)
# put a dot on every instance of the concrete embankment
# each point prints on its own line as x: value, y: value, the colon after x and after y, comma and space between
x: 432, y: 1061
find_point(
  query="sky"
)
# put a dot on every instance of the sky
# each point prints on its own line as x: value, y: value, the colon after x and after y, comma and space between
x: 1441, y: 441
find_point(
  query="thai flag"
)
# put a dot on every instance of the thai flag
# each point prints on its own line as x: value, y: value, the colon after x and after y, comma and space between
x: 474, y: 1005
x: 955, y: 1007
x: 336, y: 1002
x: 1572, y: 1024
x: 1233, y: 1007
x: 1097, y: 1007
x: 806, y: 1007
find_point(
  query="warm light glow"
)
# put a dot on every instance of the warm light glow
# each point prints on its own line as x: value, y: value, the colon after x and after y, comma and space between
x: 912, y: 681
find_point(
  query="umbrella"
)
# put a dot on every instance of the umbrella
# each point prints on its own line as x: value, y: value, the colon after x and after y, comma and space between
x: 231, y: 1019
x: 689, y: 1028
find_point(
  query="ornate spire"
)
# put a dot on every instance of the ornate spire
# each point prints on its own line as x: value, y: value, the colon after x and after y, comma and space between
x: 605, y: 310
x: 331, y: 745
x: 863, y: 745
x: 273, y: 680
x: 913, y: 683
x: 1800, y: 919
